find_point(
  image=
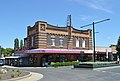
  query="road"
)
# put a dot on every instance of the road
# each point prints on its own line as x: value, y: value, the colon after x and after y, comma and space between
x: 69, y: 74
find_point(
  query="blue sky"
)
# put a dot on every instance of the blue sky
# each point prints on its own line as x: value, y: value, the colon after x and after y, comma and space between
x: 16, y: 15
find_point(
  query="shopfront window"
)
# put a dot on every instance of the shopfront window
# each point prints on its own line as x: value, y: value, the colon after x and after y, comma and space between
x: 63, y: 58
x: 30, y: 60
x: 35, y: 59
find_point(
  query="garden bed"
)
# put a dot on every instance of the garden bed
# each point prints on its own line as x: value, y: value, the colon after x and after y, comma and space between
x: 6, y: 73
x: 95, y: 65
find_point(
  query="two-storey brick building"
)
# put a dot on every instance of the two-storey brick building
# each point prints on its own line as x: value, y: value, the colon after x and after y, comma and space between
x: 46, y: 43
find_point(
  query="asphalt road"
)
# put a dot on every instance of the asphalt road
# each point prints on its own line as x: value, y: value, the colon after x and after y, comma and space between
x: 68, y: 74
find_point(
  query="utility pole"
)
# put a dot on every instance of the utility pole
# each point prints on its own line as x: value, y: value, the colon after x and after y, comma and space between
x: 94, y: 52
x: 69, y: 22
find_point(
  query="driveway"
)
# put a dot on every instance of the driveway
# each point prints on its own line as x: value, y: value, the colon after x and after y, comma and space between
x: 69, y: 74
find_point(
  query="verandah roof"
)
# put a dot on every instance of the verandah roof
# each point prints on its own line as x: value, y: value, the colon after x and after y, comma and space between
x: 56, y: 51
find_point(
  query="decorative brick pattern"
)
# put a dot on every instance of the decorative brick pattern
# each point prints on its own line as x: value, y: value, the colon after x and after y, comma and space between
x: 42, y: 32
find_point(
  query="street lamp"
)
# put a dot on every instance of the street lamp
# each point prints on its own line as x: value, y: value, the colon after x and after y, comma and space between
x: 94, y: 53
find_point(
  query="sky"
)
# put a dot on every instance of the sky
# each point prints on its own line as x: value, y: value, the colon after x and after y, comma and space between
x: 16, y: 15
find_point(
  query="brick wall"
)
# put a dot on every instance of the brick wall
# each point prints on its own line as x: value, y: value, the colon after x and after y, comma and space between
x: 43, y: 32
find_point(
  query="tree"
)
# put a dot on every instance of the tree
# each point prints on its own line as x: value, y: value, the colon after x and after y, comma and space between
x: 16, y: 44
x: 2, y: 50
x: 118, y: 48
x: 7, y: 51
x: 21, y: 44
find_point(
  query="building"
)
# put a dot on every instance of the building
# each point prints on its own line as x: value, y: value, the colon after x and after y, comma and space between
x: 46, y: 36
x: 104, y: 53
x: 114, y: 52
x: 46, y: 43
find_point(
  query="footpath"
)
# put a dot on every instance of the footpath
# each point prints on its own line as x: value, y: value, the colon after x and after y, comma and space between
x: 105, y: 68
x: 32, y: 77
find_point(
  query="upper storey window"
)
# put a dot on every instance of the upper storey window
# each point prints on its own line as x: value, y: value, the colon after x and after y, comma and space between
x: 32, y: 41
x: 53, y: 42
x: 80, y: 43
x: 61, y: 42
x: 77, y: 43
x: 83, y: 43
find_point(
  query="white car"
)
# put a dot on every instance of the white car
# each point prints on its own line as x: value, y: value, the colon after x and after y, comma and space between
x: 1, y: 63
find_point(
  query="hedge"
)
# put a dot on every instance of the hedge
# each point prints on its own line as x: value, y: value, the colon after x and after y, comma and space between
x: 55, y: 64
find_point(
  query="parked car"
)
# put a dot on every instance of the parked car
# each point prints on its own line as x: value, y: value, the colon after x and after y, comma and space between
x: 1, y: 63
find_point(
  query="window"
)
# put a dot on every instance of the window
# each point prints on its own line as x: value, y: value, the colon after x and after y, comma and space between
x: 80, y: 42
x: 86, y: 42
x: 32, y: 41
x: 52, y: 42
x: 83, y: 43
x: 30, y: 60
x: 48, y: 39
x: 77, y: 43
x: 25, y: 44
x: 61, y: 42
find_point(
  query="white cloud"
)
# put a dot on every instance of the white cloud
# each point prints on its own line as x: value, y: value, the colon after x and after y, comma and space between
x: 96, y: 4
x: 100, y: 6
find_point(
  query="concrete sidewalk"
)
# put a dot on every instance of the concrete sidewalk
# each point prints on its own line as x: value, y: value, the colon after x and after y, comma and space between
x: 105, y: 68
x: 33, y: 77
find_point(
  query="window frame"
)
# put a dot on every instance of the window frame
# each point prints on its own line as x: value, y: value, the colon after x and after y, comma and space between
x: 32, y: 41
x: 61, y: 42
x: 83, y: 44
x: 77, y: 43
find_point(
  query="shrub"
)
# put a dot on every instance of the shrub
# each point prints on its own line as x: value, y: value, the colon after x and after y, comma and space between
x: 1, y: 72
x: 63, y: 63
x: 0, y: 77
x: 13, y: 70
x: 7, y: 69
x: 18, y: 71
x: 12, y: 75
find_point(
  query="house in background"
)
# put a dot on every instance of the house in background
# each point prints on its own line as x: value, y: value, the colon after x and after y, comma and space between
x: 114, y: 52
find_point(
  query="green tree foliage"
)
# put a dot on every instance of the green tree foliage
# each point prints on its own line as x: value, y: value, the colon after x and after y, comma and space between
x: 21, y: 44
x: 118, y: 46
x: 16, y: 44
x: 7, y: 51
